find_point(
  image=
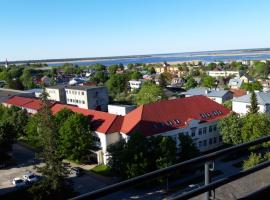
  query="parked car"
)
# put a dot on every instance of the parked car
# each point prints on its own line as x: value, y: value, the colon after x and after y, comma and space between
x: 30, y: 177
x: 18, y: 182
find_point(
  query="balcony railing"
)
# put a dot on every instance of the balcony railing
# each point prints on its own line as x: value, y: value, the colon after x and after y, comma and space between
x: 207, y: 159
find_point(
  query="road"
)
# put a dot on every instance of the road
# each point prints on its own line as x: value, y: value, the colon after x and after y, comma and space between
x: 24, y: 158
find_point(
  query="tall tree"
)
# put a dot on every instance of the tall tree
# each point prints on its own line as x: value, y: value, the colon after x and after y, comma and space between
x: 191, y: 83
x: 230, y: 129
x: 187, y: 147
x: 149, y: 93
x: 254, y: 108
x: 7, y: 137
x: 53, y: 185
x: 75, y: 137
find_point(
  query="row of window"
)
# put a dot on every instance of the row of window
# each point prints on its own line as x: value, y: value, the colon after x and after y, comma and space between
x: 210, y: 129
x: 214, y: 140
x: 75, y: 92
x: 75, y: 101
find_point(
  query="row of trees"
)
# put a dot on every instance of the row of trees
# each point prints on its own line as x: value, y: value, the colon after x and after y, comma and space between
x: 140, y: 155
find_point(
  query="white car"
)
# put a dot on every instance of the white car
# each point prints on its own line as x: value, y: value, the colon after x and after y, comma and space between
x: 18, y: 182
x: 30, y: 177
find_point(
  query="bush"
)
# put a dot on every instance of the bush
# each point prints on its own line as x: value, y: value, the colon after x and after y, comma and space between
x: 252, y: 161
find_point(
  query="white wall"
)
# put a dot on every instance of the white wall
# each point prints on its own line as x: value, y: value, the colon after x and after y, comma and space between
x: 242, y: 108
x: 120, y: 110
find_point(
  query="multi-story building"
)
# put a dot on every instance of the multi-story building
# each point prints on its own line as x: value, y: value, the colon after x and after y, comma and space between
x: 56, y: 93
x: 241, y: 104
x: 88, y: 97
x: 223, y: 73
x: 135, y: 84
x: 194, y: 116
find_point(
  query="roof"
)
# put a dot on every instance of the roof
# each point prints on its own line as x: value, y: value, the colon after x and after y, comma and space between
x: 202, y: 91
x: 84, y: 87
x: 25, y: 102
x: 238, y: 92
x: 167, y: 115
x: 56, y: 86
x: 235, y: 82
x: 263, y: 98
x: 101, y: 121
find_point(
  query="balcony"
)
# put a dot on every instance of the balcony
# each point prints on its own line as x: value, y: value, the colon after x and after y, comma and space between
x: 242, y: 184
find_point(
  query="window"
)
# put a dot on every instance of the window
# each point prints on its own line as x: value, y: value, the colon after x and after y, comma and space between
x: 204, y: 130
x: 200, y: 131
x: 96, y: 93
x: 193, y: 132
x: 215, y: 140
x: 76, y: 101
x: 79, y: 101
x: 83, y: 102
x: 210, y: 141
x: 200, y: 143
x: 220, y: 139
x: 97, y: 102
x: 215, y: 127
x: 210, y: 129
x: 205, y: 143
x: 82, y: 93
x: 75, y: 92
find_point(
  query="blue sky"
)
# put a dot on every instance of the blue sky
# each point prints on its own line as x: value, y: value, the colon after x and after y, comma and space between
x: 32, y: 29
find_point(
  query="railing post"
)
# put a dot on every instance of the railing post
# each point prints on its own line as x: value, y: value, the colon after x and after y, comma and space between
x: 207, y: 178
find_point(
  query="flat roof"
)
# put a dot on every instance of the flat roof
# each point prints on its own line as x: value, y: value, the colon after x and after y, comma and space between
x: 75, y: 87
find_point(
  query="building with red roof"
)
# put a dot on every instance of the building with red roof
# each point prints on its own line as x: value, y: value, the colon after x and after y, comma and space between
x: 31, y: 105
x: 196, y: 116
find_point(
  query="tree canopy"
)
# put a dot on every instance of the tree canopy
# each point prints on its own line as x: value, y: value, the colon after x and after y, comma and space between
x: 149, y: 93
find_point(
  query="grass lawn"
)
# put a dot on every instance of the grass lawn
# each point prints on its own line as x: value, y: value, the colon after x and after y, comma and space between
x: 102, y: 170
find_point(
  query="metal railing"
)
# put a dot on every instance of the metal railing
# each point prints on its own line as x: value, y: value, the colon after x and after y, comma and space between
x: 207, y: 188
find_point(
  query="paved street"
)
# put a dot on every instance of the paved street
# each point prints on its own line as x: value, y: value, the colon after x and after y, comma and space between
x: 24, y: 158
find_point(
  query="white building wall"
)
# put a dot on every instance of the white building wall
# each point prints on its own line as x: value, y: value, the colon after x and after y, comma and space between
x: 53, y: 94
x: 242, y: 108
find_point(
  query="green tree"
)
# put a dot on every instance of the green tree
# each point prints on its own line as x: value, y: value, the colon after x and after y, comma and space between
x: 99, y: 77
x: 136, y: 75
x: 255, y: 126
x: 62, y: 116
x: 117, y: 84
x: 191, y: 83
x: 31, y: 131
x: 112, y: 69
x: 75, y: 137
x: 253, y: 103
x: 208, y: 81
x: 8, y: 136
x: 53, y: 185
x: 149, y: 93
x: 166, y: 155
x: 230, y: 129
x: 27, y: 79
x: 253, y: 160
x: 228, y: 104
x: 188, y: 149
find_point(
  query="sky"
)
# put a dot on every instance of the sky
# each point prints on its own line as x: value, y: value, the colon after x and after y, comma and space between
x: 32, y: 29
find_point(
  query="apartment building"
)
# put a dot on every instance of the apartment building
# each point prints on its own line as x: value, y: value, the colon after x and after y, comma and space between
x: 87, y: 97
x: 223, y: 73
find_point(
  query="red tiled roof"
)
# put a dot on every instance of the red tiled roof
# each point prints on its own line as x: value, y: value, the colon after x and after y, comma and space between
x: 155, y: 118
x: 101, y: 121
x: 238, y: 92
x: 24, y: 102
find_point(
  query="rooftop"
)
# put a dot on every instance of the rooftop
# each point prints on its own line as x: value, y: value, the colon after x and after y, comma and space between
x: 263, y: 98
x: 77, y: 87
x: 206, y: 92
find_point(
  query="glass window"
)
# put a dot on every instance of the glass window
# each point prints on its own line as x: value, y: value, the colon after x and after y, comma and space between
x: 83, y: 102
x: 82, y: 93
x: 215, y: 140
x: 193, y: 132
x: 210, y: 141
x: 200, y: 143
x: 210, y: 129
x: 215, y: 127
x: 204, y: 130
x: 200, y: 131
x: 205, y: 143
